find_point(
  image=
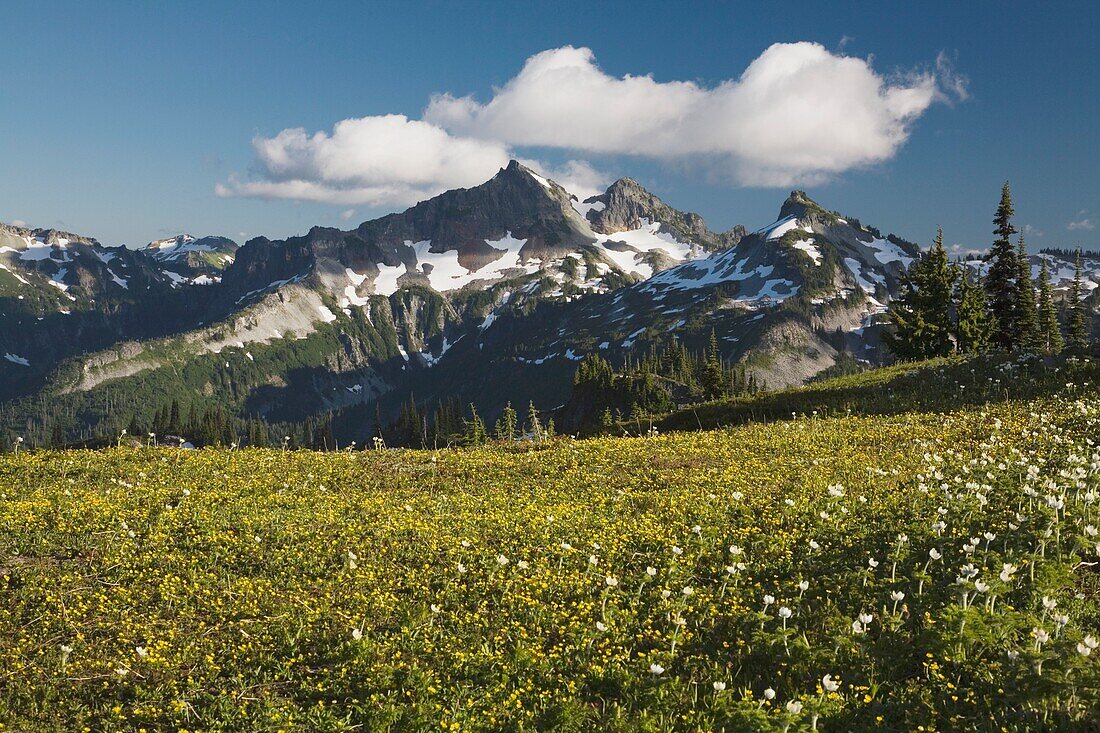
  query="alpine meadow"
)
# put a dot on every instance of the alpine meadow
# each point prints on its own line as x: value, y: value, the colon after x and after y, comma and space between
x: 533, y: 446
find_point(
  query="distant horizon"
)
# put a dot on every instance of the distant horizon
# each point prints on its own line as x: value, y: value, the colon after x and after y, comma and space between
x: 955, y: 250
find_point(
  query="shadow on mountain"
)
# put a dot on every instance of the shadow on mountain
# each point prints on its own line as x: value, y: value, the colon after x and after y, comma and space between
x: 55, y: 336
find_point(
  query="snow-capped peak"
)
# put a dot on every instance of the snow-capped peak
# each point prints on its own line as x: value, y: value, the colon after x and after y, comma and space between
x: 176, y: 241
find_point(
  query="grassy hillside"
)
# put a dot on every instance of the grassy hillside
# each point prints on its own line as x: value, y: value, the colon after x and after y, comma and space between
x: 850, y: 573
x: 936, y: 385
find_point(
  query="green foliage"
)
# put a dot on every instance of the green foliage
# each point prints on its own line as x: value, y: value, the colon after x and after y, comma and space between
x: 920, y: 318
x: 1050, y: 333
x: 1077, y: 330
x: 1003, y: 271
x: 475, y: 432
x: 973, y: 324
x: 936, y: 385
x: 1027, y: 315
x: 507, y: 424
x: 602, y: 396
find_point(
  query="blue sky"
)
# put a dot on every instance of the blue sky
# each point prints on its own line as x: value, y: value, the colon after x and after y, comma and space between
x: 118, y: 120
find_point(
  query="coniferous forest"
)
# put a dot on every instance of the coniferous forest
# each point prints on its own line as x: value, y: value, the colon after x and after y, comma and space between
x: 953, y: 307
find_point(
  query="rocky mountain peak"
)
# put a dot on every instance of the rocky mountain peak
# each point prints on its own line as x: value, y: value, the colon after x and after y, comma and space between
x: 627, y: 205
x: 804, y: 208
x: 170, y: 241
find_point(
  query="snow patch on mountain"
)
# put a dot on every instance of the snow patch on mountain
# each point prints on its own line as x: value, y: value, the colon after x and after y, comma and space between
x: 58, y: 280
x: 887, y: 252
x: 445, y: 273
x: 430, y: 360
x: 808, y: 246
x: 781, y: 227
x: 38, y: 250
x: 864, y: 279
x: 703, y: 273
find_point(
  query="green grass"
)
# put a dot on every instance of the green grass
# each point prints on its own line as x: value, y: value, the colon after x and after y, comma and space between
x: 936, y: 385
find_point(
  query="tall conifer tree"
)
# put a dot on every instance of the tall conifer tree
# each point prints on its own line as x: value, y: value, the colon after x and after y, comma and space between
x: 1000, y: 281
x: 1027, y: 314
x: 939, y: 286
x: 713, y: 379
x: 1076, y: 332
x: 973, y: 327
x: 1050, y: 335
x: 922, y: 315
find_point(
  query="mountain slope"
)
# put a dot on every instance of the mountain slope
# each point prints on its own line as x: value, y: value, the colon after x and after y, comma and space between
x: 416, y: 283
x: 483, y: 295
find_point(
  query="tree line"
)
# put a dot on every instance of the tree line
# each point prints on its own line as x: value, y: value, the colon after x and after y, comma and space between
x: 668, y: 376
x: 946, y: 308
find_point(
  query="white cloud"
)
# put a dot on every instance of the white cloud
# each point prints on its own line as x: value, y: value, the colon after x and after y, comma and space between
x: 578, y: 177
x: 19, y: 223
x: 799, y: 114
x: 376, y: 161
x: 347, y: 214
x: 1082, y: 223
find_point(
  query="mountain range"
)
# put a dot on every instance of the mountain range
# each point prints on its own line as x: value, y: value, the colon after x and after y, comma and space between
x: 486, y: 295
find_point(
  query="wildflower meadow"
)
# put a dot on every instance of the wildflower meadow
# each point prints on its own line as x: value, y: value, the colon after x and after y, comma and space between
x: 918, y: 571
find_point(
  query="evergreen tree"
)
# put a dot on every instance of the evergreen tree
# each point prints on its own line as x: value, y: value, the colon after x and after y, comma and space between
x: 1076, y: 333
x: 534, y: 424
x: 409, y: 428
x: 712, y: 379
x: 1050, y: 334
x: 447, y: 424
x: 973, y: 327
x: 323, y: 438
x: 939, y: 287
x: 1027, y: 316
x: 506, y: 425
x: 475, y: 433
x: 1000, y: 282
x: 921, y: 316
x: 257, y: 433
x: 175, y: 425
